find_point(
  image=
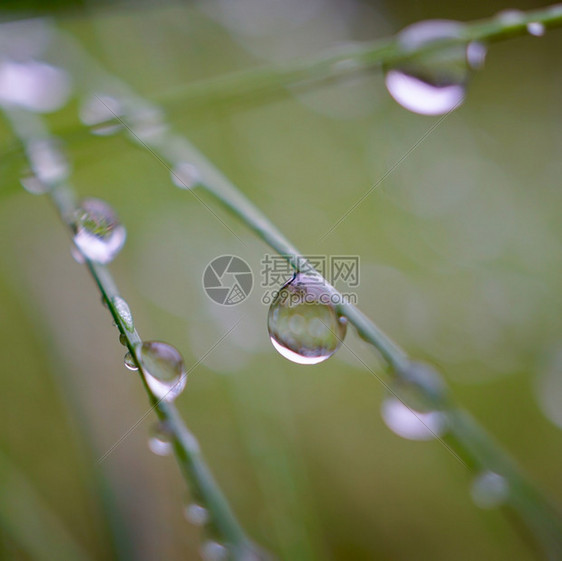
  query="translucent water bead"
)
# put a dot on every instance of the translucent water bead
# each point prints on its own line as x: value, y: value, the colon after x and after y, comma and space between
x: 99, y: 234
x: 164, y: 369
x: 160, y: 440
x: 434, y: 82
x: 102, y: 113
x: 489, y: 490
x: 303, y: 323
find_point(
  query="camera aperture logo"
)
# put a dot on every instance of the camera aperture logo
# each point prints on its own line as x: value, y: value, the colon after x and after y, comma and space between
x: 228, y: 280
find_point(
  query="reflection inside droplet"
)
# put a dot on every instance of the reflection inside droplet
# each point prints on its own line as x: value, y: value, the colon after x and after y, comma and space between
x: 130, y: 362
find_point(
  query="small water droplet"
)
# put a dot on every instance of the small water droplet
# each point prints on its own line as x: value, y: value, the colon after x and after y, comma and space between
x: 160, y: 440
x: 33, y: 85
x: 213, y: 551
x: 185, y: 175
x: 536, y: 28
x: 102, y: 113
x: 123, y: 339
x: 433, y: 83
x: 32, y: 184
x: 147, y: 124
x: 130, y: 362
x: 47, y: 161
x: 77, y: 256
x: 99, y: 234
x: 303, y: 324
x: 489, y: 490
x: 164, y: 369
x: 124, y: 313
x: 411, y: 424
x: 196, y: 514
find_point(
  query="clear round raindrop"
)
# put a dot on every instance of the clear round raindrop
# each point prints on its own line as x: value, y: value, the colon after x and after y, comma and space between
x: 160, y: 440
x: 489, y: 490
x: 122, y: 339
x: 99, y: 234
x: 303, y: 323
x: 410, y: 423
x: 213, y: 551
x: 164, y: 369
x: 102, y: 113
x: 433, y: 83
x: 196, y: 514
x: 536, y: 28
x: 185, y: 175
x: 130, y: 362
x: 124, y: 313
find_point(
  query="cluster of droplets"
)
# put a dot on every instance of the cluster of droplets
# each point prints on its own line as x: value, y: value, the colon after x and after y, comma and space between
x: 434, y: 81
x: 303, y: 322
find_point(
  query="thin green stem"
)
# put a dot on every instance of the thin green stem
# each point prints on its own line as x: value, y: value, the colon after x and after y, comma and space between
x: 29, y: 128
x: 348, y: 60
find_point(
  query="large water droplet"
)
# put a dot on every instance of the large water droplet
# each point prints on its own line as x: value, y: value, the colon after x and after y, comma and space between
x: 130, y: 362
x: 411, y: 424
x: 435, y: 82
x: 489, y: 490
x: 164, y: 369
x: 124, y: 313
x: 213, y: 551
x: 303, y: 323
x: 160, y: 440
x: 196, y: 514
x: 185, y: 175
x: 99, y: 234
x: 102, y: 113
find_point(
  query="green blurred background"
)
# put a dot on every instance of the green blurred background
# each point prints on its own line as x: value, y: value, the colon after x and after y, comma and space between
x: 460, y: 263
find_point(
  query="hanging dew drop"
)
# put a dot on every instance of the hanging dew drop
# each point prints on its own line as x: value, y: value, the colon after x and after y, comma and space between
x: 213, y: 551
x: 99, y: 234
x: 303, y: 323
x: 160, y: 441
x: 185, y: 175
x: 433, y: 83
x: 536, y: 28
x: 32, y: 184
x: 102, y: 114
x: 130, y: 362
x: 124, y: 313
x: 411, y: 424
x: 196, y: 514
x: 123, y: 339
x: 164, y: 369
x: 489, y: 490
